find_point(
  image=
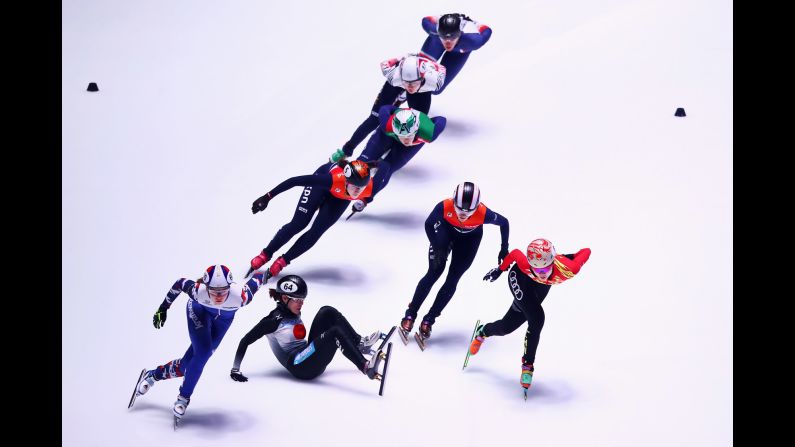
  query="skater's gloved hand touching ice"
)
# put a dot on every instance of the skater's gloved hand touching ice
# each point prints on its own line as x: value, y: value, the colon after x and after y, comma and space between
x: 237, y: 376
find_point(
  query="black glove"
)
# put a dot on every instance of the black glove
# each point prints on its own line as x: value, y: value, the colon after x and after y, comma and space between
x: 493, y: 274
x: 159, y: 320
x: 237, y: 376
x: 261, y: 203
x: 503, y: 253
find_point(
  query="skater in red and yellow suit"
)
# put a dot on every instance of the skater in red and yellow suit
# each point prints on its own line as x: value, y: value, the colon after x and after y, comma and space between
x: 529, y: 279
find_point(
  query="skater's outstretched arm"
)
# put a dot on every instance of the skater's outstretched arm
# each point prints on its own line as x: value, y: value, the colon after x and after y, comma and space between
x: 323, y: 181
x: 181, y: 285
x: 495, y: 218
x: 265, y: 326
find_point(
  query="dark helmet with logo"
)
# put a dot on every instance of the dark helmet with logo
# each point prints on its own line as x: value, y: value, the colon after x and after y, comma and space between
x: 449, y: 26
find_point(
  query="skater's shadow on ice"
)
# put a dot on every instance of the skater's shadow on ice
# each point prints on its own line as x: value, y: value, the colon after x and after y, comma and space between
x: 335, y: 275
x: 548, y: 391
x: 459, y: 129
x: 212, y: 423
x: 449, y: 339
x: 414, y: 173
x: 392, y: 220
x: 325, y: 380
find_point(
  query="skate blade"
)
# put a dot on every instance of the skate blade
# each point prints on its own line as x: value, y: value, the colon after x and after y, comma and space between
x: 385, y: 338
x: 386, y: 367
x: 404, y: 335
x: 420, y: 340
x: 176, y: 423
x: 135, y: 390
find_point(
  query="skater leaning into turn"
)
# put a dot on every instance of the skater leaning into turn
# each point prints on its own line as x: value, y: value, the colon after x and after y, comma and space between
x: 287, y: 336
x: 451, y: 39
x: 412, y: 78
x: 327, y: 192
x: 400, y: 136
x: 455, y: 226
x: 213, y: 301
x: 529, y: 281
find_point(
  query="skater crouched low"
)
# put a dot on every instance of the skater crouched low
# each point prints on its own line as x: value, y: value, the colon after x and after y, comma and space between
x: 213, y: 301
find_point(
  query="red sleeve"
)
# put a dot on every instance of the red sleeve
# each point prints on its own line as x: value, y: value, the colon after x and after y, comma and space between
x: 582, y: 256
x: 516, y: 256
x: 574, y: 265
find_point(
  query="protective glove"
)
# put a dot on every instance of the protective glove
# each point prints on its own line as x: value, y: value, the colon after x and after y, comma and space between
x: 237, y: 376
x: 261, y: 203
x: 493, y: 274
x: 338, y: 155
x: 159, y: 319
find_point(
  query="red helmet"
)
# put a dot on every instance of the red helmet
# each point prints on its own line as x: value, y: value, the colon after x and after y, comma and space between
x: 540, y: 253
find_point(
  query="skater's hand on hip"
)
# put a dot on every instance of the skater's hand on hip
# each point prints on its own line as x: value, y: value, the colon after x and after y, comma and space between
x: 493, y: 274
x: 237, y: 376
x: 159, y: 320
x: 261, y: 203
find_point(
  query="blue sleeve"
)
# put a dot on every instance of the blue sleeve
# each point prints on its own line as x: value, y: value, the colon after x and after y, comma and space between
x: 497, y: 219
x: 375, y: 147
x: 473, y: 41
x: 433, y: 222
x: 439, y: 123
x: 383, y: 115
x: 251, y: 287
x: 180, y: 285
x: 433, y: 47
x: 379, y: 141
x: 302, y: 180
x: 429, y: 26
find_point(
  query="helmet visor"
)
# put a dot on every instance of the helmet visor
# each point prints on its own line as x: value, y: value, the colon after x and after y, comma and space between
x: 462, y: 213
x: 543, y: 272
x: 218, y: 294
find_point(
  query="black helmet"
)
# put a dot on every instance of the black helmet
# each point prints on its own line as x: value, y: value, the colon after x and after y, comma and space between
x: 466, y: 196
x: 292, y: 285
x: 357, y: 173
x: 449, y: 26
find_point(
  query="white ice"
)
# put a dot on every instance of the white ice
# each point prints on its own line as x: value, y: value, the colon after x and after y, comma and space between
x: 565, y: 120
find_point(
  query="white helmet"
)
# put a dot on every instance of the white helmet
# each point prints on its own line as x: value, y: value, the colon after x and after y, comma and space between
x: 411, y: 69
x: 541, y: 253
x: 406, y: 123
x: 217, y: 277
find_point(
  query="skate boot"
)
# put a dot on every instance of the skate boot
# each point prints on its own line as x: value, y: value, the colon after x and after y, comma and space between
x: 277, y: 266
x: 425, y: 329
x: 148, y: 381
x: 527, y: 377
x: 406, y: 325
x: 371, y: 367
x: 366, y: 343
x: 145, y: 381
x: 477, y: 341
x: 257, y: 262
x: 423, y: 334
x: 180, y: 406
